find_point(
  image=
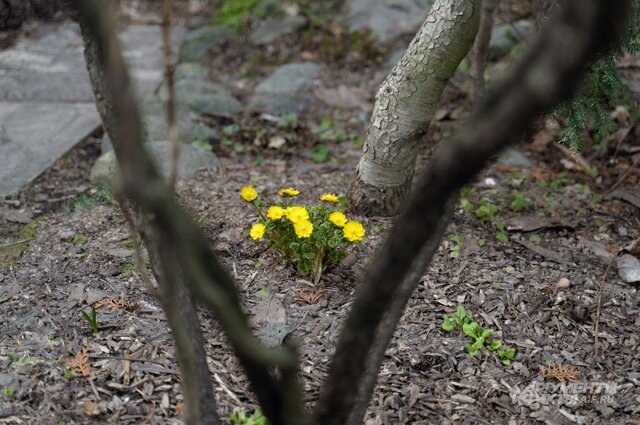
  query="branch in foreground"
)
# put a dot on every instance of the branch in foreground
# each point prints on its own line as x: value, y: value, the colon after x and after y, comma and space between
x: 546, y: 74
x: 179, y: 307
x: 183, y: 252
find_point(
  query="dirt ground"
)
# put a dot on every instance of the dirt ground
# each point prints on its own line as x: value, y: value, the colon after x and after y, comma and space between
x: 543, y: 288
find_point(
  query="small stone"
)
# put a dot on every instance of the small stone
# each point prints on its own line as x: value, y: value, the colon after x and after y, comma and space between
x: 563, y: 283
x: 289, y: 78
x: 197, y: 42
x: 270, y: 31
x: 628, y: 268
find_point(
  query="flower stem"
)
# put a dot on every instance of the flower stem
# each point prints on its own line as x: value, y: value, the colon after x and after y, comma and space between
x: 253, y: 204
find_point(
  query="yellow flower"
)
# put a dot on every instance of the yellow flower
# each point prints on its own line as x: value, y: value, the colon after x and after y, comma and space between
x: 288, y: 192
x: 338, y: 218
x: 353, y: 231
x: 276, y: 213
x: 330, y: 197
x: 303, y: 228
x: 257, y: 231
x: 249, y: 193
x: 297, y: 214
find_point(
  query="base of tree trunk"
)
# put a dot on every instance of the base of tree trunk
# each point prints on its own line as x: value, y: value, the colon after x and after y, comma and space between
x: 383, y: 201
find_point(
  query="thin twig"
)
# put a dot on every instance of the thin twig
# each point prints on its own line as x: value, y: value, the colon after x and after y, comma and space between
x: 124, y: 358
x: 137, y: 242
x: 10, y: 244
x: 623, y: 176
x: 599, y: 308
x: 169, y: 69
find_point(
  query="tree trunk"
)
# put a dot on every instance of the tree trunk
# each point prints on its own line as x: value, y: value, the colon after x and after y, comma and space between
x: 175, y: 296
x: 406, y: 103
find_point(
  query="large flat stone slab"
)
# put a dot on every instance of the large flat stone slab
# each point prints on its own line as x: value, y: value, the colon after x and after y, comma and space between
x: 46, y: 101
x: 387, y: 19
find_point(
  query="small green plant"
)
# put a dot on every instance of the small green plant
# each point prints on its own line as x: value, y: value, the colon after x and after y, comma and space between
x: 462, y: 320
x: 507, y: 356
x: 9, y: 392
x: 13, y: 354
x: 203, y: 145
x: 456, y: 240
x: 519, y: 202
x: 242, y: 418
x: 236, y: 14
x: 80, y: 239
x: 309, y: 237
x: 561, y: 181
x: 487, y: 210
x: 328, y: 130
x: 501, y: 234
x: 101, y: 196
x: 69, y: 374
x: 92, y: 319
x: 320, y: 154
x: 289, y: 121
x: 535, y: 238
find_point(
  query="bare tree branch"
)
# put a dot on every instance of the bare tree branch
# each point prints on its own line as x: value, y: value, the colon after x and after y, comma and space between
x: 481, y: 48
x: 169, y: 68
x: 182, y: 250
x: 547, y: 73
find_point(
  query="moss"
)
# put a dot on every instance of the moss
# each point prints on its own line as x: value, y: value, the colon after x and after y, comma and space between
x: 10, y: 255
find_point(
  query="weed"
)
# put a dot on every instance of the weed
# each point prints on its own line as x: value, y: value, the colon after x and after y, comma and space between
x: 486, y: 211
x: 289, y: 121
x: 80, y: 239
x: 92, y: 319
x: 95, y: 197
x: 535, y: 238
x: 203, y: 145
x: 519, y: 202
x: 456, y: 240
x: 242, y: 418
x: 69, y: 374
x: 320, y: 154
x: 462, y: 320
x: 9, y: 392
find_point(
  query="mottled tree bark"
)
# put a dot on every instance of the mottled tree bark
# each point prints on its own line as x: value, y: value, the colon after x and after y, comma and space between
x: 406, y: 103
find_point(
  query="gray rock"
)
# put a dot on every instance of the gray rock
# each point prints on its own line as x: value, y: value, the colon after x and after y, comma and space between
x: 289, y: 78
x: 189, y: 87
x: 271, y: 30
x: 46, y: 101
x: 155, y: 121
x: 506, y: 36
x: 187, y: 70
x: 387, y: 19
x: 278, y: 104
x: 105, y: 170
x: 628, y: 268
x: 512, y: 157
x: 197, y: 42
x: 216, y: 104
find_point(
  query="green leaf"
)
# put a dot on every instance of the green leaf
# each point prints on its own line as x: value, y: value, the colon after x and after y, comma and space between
x: 486, y: 333
x: 535, y: 238
x: 502, y: 237
x: 494, y: 345
x: 448, y: 324
x: 320, y: 154
x: 472, y: 330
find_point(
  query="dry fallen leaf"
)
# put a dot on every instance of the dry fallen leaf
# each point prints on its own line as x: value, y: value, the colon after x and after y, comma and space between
x: 560, y: 372
x: 80, y: 363
x: 91, y: 408
x: 309, y: 297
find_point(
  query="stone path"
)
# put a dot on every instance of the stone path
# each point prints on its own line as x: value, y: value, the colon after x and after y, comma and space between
x: 47, y: 105
x: 46, y: 101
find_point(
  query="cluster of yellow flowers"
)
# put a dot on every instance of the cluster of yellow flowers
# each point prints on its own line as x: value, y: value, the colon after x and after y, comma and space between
x: 299, y: 216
